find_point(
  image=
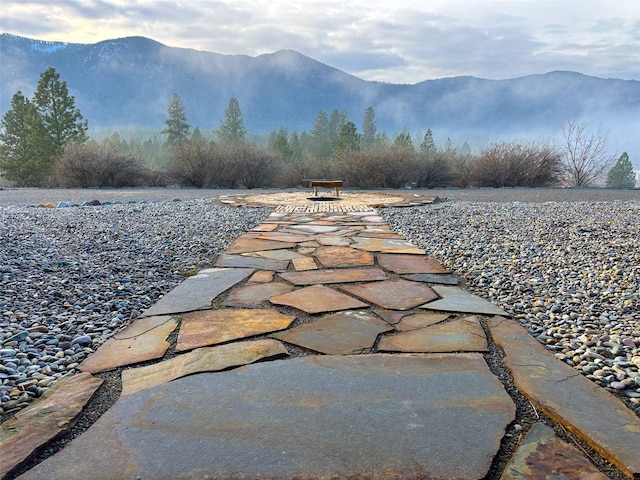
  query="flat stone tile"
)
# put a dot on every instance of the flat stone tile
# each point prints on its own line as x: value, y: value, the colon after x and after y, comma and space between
x: 432, y: 278
x: 399, y: 263
x: 311, y: 244
x: 199, y: 291
x: 262, y: 276
x: 341, y: 275
x: 304, y: 264
x: 144, y: 339
x: 387, y: 245
x: 393, y: 294
x: 321, y: 416
x: 265, y: 227
x: 210, y: 327
x: 464, y: 335
x: 284, y: 237
x: 275, y: 254
x: 239, y: 261
x: 420, y: 320
x: 243, y: 244
x: 542, y: 455
x: 591, y: 413
x: 315, y: 228
x: 392, y: 317
x: 22, y: 436
x: 334, y: 241
x: 343, y: 333
x: 336, y: 256
x: 254, y: 295
x: 208, y: 359
x: 454, y: 299
x: 318, y: 299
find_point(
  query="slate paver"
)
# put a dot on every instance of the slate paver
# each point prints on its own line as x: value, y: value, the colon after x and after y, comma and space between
x: 542, y: 455
x: 245, y: 244
x: 207, y: 359
x: 144, y: 339
x: 462, y: 335
x: 343, y: 333
x: 387, y: 245
x: 254, y: 295
x: 392, y: 317
x: 341, y: 275
x: 275, y: 254
x: 23, y: 435
x: 284, y: 238
x: 304, y: 264
x: 393, y: 294
x: 315, y: 228
x: 420, y: 320
x: 199, y: 291
x: 334, y: 241
x: 337, y: 256
x: 588, y: 411
x: 240, y: 261
x: 370, y: 416
x: 432, y: 278
x: 210, y: 327
x: 454, y: 299
x: 318, y: 299
x: 399, y: 263
x: 262, y: 276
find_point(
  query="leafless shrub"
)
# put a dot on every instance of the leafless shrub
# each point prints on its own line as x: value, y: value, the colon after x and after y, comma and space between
x: 391, y: 167
x: 585, y: 154
x: 255, y: 166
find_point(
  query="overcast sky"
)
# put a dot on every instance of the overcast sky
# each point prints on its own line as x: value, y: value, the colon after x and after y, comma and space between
x: 398, y: 41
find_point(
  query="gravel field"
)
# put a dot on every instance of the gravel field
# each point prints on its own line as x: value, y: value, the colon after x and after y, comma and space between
x: 564, y: 262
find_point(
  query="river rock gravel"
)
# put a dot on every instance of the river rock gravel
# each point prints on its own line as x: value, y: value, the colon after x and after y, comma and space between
x: 568, y: 271
x: 72, y: 277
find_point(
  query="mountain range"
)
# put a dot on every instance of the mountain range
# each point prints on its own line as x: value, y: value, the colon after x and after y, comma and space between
x: 129, y: 81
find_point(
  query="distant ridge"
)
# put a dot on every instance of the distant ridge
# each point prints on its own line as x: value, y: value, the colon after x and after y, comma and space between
x: 128, y: 81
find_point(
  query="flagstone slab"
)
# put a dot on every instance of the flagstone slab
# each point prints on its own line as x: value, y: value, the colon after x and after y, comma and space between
x: 393, y: 294
x: 463, y: 335
x: 542, y: 455
x: 254, y: 295
x: 240, y: 261
x: 591, y: 413
x: 210, y: 327
x: 244, y: 244
x: 399, y: 263
x: 199, y: 291
x: 432, y: 278
x: 22, y: 436
x: 337, y: 256
x: 207, y: 359
x: 392, y: 317
x: 304, y: 264
x: 275, y: 254
x: 387, y: 245
x: 265, y: 227
x: 343, y: 333
x: 341, y: 275
x: 334, y: 241
x: 315, y: 228
x: 357, y: 416
x: 285, y: 238
x: 144, y: 339
x: 318, y: 299
x: 262, y: 276
x: 454, y: 299
x: 420, y: 320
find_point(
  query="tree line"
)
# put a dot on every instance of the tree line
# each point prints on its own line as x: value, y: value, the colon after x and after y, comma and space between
x: 44, y: 142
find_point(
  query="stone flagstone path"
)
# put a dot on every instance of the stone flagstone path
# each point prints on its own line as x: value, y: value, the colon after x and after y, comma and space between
x: 359, y: 356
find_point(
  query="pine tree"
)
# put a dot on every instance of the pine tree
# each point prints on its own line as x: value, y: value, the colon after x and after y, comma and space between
x: 368, y: 129
x: 348, y: 139
x: 321, y: 142
x: 403, y: 139
x: 62, y: 120
x: 621, y: 174
x: 232, y: 129
x: 26, y: 149
x: 177, y: 130
x: 428, y: 146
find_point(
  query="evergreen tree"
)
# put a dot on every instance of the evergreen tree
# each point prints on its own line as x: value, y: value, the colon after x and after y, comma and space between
x: 403, y: 139
x: 428, y: 146
x: 621, y: 174
x: 26, y: 149
x: 295, y: 147
x: 62, y: 120
x: 348, y: 139
x: 321, y: 142
x: 368, y: 129
x: 232, y: 129
x: 177, y: 130
x: 336, y: 121
x: 279, y: 143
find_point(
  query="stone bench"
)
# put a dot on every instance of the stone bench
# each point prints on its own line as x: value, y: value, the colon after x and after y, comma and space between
x: 315, y: 184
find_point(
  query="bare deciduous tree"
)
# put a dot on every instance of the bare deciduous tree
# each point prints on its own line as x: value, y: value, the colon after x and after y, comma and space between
x: 585, y: 154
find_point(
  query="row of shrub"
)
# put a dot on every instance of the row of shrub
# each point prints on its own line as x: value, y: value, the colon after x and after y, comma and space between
x: 205, y: 164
